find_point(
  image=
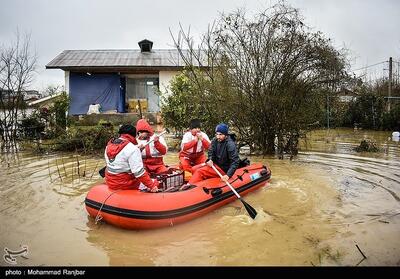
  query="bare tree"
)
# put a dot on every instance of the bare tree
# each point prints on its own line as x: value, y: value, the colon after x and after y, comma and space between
x: 266, y: 75
x: 52, y: 90
x: 17, y: 66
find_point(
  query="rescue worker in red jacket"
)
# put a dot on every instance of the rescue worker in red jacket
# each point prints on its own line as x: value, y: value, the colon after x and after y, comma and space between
x: 125, y: 168
x: 194, y: 142
x: 152, y: 153
x: 222, y: 154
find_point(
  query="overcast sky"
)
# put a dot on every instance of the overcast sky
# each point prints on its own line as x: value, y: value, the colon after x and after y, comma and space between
x: 370, y: 29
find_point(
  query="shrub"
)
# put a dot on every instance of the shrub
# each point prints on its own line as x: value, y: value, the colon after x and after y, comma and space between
x: 31, y: 127
x: 87, y: 140
x: 367, y: 146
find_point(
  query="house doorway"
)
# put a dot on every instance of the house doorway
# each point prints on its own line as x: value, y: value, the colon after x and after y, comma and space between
x: 141, y: 94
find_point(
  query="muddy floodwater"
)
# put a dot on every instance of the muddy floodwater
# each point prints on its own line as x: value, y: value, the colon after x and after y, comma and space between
x: 329, y: 206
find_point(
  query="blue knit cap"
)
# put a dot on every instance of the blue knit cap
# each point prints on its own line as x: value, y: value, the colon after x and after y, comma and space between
x: 222, y: 128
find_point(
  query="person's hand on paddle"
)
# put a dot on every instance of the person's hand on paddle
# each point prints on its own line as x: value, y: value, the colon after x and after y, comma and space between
x: 156, y: 138
x: 252, y: 212
x: 225, y: 178
x: 199, y: 136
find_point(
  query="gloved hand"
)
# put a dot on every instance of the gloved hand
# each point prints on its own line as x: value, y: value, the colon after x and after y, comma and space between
x: 199, y: 136
x: 154, y: 189
x: 225, y: 178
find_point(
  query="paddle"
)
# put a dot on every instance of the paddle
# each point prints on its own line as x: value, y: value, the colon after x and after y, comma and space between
x: 240, y: 177
x: 162, y: 133
x: 252, y: 212
x: 102, y: 171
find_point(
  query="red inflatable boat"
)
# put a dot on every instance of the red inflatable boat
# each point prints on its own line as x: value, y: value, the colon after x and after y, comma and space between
x: 133, y: 209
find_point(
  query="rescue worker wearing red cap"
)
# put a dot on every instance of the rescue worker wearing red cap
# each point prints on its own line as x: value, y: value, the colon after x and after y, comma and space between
x: 152, y: 153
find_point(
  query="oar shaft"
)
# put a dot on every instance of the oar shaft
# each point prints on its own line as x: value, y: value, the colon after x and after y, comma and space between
x: 102, y: 170
x: 252, y: 212
x: 230, y: 186
x: 153, y: 139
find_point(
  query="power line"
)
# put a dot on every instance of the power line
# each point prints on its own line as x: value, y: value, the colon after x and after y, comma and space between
x: 369, y: 66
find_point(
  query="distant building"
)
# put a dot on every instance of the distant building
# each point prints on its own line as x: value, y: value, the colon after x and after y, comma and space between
x: 346, y: 95
x: 45, y: 102
x: 120, y: 81
x: 31, y: 95
x: 5, y: 94
x: 27, y: 95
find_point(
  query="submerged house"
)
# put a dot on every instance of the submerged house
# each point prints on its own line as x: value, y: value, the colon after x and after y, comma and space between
x: 25, y: 95
x: 121, y: 81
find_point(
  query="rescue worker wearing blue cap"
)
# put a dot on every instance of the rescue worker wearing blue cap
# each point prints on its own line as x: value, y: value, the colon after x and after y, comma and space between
x: 222, y: 153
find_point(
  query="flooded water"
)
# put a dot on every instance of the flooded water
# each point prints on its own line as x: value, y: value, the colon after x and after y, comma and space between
x: 329, y: 206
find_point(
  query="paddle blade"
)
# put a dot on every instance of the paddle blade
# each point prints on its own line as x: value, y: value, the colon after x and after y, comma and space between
x: 252, y: 212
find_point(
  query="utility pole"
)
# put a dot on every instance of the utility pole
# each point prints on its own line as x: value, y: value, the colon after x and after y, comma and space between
x: 327, y: 110
x: 390, y: 83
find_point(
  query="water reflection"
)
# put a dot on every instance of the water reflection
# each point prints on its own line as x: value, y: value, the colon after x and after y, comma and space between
x: 178, y: 245
x: 344, y: 141
x: 285, y: 232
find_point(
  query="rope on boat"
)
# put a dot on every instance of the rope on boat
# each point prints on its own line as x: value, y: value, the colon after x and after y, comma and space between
x: 98, y: 215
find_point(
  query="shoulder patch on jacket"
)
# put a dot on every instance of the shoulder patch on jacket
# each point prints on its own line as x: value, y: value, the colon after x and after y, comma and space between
x: 115, y: 146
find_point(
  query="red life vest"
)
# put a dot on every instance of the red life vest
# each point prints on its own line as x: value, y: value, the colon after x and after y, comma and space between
x: 122, y: 181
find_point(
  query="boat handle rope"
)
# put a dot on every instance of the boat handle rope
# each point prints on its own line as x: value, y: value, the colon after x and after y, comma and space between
x: 98, y: 215
x: 207, y: 190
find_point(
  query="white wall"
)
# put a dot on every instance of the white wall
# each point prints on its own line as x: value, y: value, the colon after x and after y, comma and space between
x: 67, y: 82
x: 164, y: 79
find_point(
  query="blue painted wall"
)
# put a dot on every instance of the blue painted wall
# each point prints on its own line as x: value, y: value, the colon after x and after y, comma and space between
x: 108, y: 90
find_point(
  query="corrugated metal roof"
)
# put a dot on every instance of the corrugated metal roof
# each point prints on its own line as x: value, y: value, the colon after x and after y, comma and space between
x: 44, y: 99
x: 116, y: 58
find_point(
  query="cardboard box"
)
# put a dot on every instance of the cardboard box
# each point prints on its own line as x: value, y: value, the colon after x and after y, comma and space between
x: 135, y: 105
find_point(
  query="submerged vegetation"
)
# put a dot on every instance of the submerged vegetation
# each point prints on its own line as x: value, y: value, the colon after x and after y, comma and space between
x: 85, y: 140
x: 89, y: 139
x: 271, y: 78
x: 17, y: 66
x: 266, y: 77
x: 367, y: 145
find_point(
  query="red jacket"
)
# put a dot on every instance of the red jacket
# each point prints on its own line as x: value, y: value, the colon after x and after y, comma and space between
x: 125, y: 169
x: 153, y: 152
